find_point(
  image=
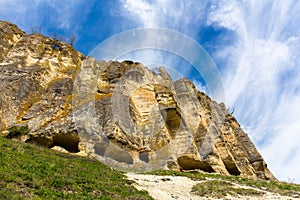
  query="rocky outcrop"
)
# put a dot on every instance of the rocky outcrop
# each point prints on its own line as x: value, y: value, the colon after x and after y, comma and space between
x: 118, y: 112
x: 37, y: 75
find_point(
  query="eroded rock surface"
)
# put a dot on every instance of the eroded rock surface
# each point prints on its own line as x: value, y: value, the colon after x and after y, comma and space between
x: 119, y: 112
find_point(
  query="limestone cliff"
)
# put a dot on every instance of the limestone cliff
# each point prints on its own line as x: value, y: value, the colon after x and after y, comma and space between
x: 118, y: 112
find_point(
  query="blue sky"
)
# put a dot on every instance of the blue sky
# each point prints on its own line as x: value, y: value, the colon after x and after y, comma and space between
x: 255, y: 45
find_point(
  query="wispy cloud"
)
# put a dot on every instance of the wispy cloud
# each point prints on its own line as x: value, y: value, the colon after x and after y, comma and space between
x: 262, y: 80
x: 177, y: 14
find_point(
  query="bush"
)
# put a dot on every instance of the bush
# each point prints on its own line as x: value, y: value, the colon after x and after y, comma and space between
x: 16, y: 131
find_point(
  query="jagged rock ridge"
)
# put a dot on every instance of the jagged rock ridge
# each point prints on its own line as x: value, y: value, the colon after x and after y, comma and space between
x: 119, y: 112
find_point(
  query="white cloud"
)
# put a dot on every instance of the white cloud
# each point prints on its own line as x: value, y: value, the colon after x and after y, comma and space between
x: 176, y: 14
x: 200, y: 86
x: 263, y: 79
x: 146, y: 13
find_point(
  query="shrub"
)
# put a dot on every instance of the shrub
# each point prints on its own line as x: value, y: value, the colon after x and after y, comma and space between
x: 16, y: 131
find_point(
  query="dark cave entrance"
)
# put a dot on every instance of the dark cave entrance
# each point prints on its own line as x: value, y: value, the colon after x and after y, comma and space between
x: 187, y: 163
x: 231, y: 168
x: 67, y: 141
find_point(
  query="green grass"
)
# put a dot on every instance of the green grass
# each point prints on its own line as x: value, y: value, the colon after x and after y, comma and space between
x: 192, y: 175
x: 219, y: 189
x: 283, y: 188
x: 32, y: 172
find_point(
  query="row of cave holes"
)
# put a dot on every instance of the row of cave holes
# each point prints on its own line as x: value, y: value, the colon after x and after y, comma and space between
x: 184, y: 164
x: 70, y: 143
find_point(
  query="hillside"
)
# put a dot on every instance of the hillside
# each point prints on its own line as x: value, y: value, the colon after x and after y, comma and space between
x: 32, y: 172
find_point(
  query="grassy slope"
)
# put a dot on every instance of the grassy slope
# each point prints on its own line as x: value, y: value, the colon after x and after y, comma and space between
x: 32, y: 172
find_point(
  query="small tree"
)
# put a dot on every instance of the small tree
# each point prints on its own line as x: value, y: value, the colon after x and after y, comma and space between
x: 58, y: 37
x: 36, y: 29
x: 17, y: 131
x: 72, y: 39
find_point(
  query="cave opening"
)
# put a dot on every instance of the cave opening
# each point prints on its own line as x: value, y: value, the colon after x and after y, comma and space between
x: 100, y: 148
x: 67, y: 141
x: 172, y: 119
x: 144, y: 157
x: 187, y: 163
x: 231, y: 168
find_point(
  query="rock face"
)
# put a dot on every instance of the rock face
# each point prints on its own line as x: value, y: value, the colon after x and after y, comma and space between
x: 36, y: 75
x: 118, y: 112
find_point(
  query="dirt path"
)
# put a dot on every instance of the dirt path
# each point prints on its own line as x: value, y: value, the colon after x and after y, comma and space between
x: 179, y: 187
x: 165, y: 187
